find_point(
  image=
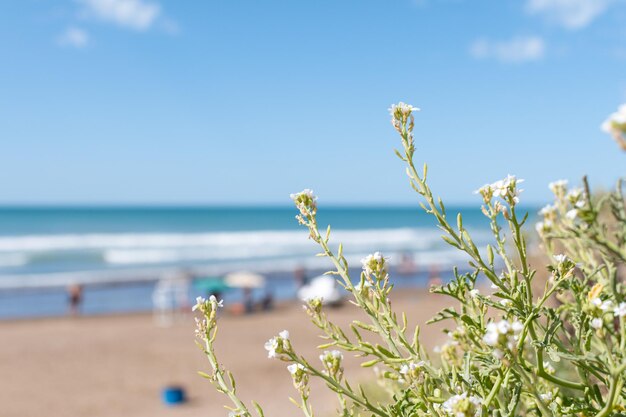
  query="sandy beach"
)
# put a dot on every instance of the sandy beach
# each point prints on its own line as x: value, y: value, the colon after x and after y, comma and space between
x: 110, y: 366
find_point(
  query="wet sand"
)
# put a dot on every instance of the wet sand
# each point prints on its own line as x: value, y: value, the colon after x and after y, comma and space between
x: 114, y: 366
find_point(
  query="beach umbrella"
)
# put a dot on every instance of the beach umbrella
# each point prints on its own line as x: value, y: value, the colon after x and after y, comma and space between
x: 245, y: 279
x: 210, y: 285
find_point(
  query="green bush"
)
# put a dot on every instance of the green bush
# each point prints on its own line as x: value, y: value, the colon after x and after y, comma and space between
x: 513, y: 352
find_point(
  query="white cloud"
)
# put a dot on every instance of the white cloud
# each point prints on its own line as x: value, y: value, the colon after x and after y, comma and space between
x: 516, y: 50
x: 75, y: 37
x: 133, y: 14
x: 573, y: 14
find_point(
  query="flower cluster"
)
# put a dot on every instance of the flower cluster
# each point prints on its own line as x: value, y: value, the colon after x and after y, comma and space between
x: 306, y: 202
x: 413, y: 372
x: 208, y: 308
x: 502, y: 335
x: 615, y: 125
x: 278, y: 346
x: 403, y: 121
x: 570, y: 206
x: 401, y: 113
x: 332, y: 363
x: 598, y: 306
x: 564, y: 267
x: 558, y: 188
x: 549, y: 214
x: 506, y: 189
x: 313, y: 306
x: 449, y: 349
x: 375, y: 264
x: 299, y: 375
x: 209, y: 305
x: 462, y: 405
x: 576, y: 200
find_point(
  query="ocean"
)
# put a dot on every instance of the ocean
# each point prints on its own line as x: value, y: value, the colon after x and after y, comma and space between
x: 45, y: 249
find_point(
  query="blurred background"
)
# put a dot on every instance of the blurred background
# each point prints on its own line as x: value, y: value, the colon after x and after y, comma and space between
x: 149, y: 148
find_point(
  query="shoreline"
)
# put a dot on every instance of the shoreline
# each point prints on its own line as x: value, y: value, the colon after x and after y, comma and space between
x: 136, y: 297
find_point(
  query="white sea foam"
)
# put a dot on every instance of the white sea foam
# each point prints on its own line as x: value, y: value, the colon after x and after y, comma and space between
x: 219, y: 239
x: 13, y: 259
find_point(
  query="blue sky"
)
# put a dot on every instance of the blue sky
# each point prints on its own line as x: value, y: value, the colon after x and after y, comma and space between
x: 243, y: 102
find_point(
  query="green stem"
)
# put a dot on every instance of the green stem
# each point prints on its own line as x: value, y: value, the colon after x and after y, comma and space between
x: 337, y: 387
x: 610, y: 402
x: 219, y: 378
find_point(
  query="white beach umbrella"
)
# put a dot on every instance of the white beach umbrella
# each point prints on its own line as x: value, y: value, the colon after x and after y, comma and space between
x: 245, y: 279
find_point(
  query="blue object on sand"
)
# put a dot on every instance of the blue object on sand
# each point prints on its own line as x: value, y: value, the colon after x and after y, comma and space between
x: 173, y: 395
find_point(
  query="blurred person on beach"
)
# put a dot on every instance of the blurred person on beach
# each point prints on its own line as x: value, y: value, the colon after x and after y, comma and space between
x: 300, y: 277
x: 74, y: 298
x: 248, y: 301
x: 434, y: 278
x: 267, y: 302
x: 407, y: 264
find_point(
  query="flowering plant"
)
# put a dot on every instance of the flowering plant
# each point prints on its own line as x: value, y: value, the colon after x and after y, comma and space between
x: 514, y: 351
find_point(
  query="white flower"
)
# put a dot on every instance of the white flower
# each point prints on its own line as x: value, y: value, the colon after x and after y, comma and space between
x: 517, y: 327
x: 295, y: 367
x: 572, y: 214
x: 546, y: 397
x: 502, y: 333
x: 547, y: 210
x: 560, y: 258
x: 596, y: 323
x: 596, y: 302
x: 299, y: 375
x: 213, y: 300
x: 474, y: 293
x: 304, y: 193
x: 484, y: 189
x: 375, y: 264
x: 558, y: 186
x: 606, y: 305
x: 305, y: 202
x: 271, y: 346
x: 200, y: 301
x: 401, y: 109
x: 492, y: 335
x: 614, y: 124
x: 462, y: 405
x: 406, y: 368
x: 620, y: 310
x: 575, y: 194
x: 505, y: 302
x: 503, y: 326
x: 277, y: 345
x: 505, y: 189
x: 327, y: 356
x: 543, y: 227
x: 332, y: 362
